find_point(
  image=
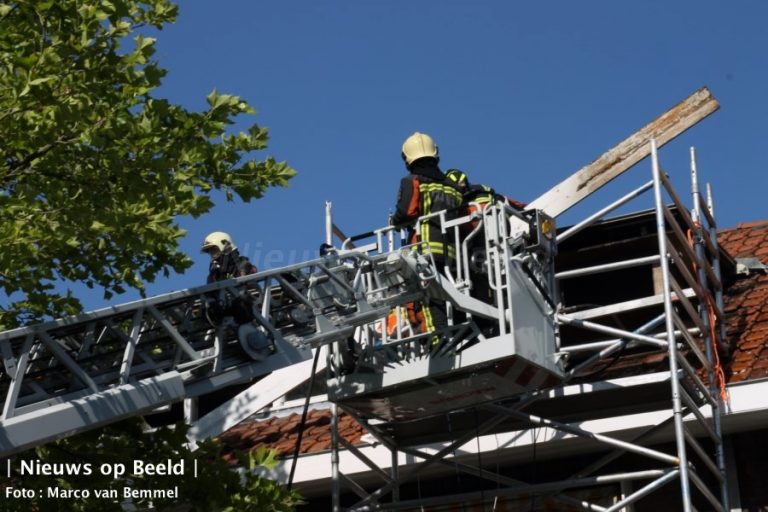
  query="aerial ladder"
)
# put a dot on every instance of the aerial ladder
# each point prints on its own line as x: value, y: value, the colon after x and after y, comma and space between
x: 73, y: 374
x: 69, y: 375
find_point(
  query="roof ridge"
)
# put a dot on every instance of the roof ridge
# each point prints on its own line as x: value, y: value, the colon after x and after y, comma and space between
x: 746, y: 225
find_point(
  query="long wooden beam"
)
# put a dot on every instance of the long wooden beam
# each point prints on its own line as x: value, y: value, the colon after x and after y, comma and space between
x: 627, y: 153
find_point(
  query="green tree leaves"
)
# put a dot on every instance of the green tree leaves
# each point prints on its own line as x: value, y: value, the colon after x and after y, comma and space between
x: 94, y: 169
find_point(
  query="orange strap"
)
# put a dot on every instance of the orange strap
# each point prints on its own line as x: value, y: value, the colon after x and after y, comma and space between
x: 710, y: 303
x: 414, y: 207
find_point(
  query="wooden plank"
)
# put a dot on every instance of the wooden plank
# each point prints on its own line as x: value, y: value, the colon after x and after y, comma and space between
x: 627, y: 153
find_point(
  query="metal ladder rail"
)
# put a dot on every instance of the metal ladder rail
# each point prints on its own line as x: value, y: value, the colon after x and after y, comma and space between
x: 672, y: 346
x: 70, y: 343
x: 678, y: 369
x: 155, y: 353
x: 706, y: 225
x: 116, y: 387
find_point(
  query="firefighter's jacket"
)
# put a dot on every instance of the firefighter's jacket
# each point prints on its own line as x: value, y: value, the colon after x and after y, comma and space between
x: 228, y: 266
x: 427, y: 191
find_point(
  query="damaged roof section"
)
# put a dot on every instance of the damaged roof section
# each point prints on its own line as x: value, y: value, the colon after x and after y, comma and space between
x: 746, y: 304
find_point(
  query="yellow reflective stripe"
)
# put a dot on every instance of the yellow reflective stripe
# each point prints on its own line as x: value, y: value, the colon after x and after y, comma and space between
x: 440, y: 187
x: 425, y: 225
x: 425, y: 228
x: 429, y: 323
x: 437, y: 248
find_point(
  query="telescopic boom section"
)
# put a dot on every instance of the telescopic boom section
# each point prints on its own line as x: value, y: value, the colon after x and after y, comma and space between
x: 77, y: 373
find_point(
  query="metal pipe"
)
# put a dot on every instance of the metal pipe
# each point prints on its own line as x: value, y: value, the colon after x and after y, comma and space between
x: 695, y: 187
x: 65, y: 359
x: 718, y: 273
x: 438, y: 455
x: 497, y: 279
x: 328, y: 224
x: 465, y: 246
x: 12, y: 395
x: 501, y: 479
x: 706, y: 492
x: 644, y: 491
x: 609, y: 350
x: 615, y: 454
x: 130, y: 346
x: 720, y: 450
x: 685, y: 485
x: 395, y: 475
x: 704, y: 457
x: 607, y: 267
x: 598, y: 215
x: 335, y: 485
x: 584, y: 324
x: 482, y: 429
x: 578, y: 431
x: 717, y: 401
x: 597, y: 345
x: 523, y: 488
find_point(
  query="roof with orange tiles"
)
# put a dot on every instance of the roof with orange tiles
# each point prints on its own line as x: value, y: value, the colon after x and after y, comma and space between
x: 746, y: 304
x: 746, y: 308
x: 281, y: 433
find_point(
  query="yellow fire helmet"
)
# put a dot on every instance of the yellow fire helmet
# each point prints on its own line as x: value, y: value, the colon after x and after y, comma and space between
x: 419, y: 145
x: 218, y: 242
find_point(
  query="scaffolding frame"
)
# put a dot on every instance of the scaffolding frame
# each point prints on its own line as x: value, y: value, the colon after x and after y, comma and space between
x: 686, y: 331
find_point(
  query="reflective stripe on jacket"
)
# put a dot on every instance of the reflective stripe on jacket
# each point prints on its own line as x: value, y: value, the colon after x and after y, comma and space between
x: 424, y: 192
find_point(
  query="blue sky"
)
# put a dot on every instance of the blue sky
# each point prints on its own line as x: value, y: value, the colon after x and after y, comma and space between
x: 518, y: 94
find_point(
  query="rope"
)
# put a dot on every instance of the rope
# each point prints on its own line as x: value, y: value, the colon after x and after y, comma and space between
x: 712, y: 316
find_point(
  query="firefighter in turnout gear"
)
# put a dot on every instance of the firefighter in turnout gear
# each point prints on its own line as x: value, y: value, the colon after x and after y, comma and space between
x: 226, y: 262
x: 424, y: 191
x: 476, y: 198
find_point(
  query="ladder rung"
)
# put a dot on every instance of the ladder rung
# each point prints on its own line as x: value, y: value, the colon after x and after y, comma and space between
x: 711, y: 247
x: 681, y: 209
x: 713, y: 280
x: 692, y: 407
x: 705, y: 211
x: 683, y: 299
x: 703, y: 455
x: 690, y: 342
x: 682, y: 239
x: 705, y: 491
x: 690, y: 279
x: 691, y: 375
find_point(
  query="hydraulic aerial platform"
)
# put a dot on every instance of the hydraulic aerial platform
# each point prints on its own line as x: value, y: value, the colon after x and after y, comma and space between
x: 515, y: 374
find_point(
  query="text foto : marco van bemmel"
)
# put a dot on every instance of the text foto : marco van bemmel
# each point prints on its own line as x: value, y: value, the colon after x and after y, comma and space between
x: 115, y: 469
